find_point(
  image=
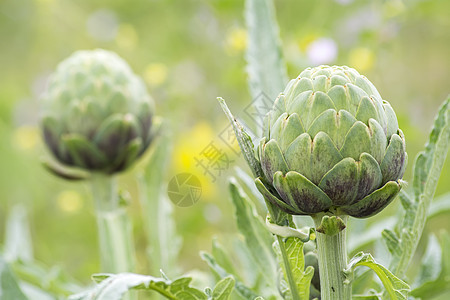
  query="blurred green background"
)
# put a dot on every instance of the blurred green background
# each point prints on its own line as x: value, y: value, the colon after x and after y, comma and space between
x: 189, y: 52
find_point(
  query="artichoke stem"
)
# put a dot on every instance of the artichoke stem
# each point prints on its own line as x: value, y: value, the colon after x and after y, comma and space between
x: 114, y: 226
x: 332, y: 262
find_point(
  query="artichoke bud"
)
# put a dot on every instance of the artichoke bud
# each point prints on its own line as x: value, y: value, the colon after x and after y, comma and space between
x: 311, y: 259
x: 331, y: 145
x: 96, y: 113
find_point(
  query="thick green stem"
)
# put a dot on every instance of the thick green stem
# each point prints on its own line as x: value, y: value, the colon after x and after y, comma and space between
x: 114, y: 227
x: 332, y: 262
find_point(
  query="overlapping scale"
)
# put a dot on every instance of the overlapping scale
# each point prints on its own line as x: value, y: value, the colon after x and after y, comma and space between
x: 300, y: 193
x: 334, y: 144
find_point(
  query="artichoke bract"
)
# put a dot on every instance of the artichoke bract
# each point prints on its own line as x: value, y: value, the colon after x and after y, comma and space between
x: 332, y: 145
x: 97, y: 114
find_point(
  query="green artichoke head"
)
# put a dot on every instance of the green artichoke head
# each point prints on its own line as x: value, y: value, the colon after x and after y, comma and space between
x: 96, y: 113
x: 332, y: 145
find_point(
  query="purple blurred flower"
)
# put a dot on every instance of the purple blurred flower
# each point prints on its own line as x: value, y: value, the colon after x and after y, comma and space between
x: 322, y: 51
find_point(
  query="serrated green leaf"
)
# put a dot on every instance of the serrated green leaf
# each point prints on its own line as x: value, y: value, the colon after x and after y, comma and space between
x: 223, y: 258
x: 246, y: 146
x: 240, y: 287
x: 114, y: 286
x: 50, y: 279
x: 266, y: 68
x: 294, y: 253
x: 244, y: 141
x: 257, y: 237
x: 395, y: 287
x: 366, y: 297
x: 426, y: 171
x: 9, y: 288
x: 223, y: 289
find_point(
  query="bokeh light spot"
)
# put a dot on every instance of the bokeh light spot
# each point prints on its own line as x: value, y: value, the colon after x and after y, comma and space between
x: 70, y: 201
x: 102, y: 25
x: 26, y: 137
x: 155, y: 74
x: 362, y: 59
x: 236, y: 40
x: 212, y: 213
x: 127, y: 36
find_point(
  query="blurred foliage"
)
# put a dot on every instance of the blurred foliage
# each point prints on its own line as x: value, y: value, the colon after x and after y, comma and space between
x: 189, y: 52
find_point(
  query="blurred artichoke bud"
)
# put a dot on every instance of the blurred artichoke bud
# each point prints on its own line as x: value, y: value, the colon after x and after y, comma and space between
x: 331, y: 144
x: 97, y: 114
x: 311, y: 259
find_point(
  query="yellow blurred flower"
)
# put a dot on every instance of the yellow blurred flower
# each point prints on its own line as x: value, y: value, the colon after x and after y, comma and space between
x: 190, y: 144
x: 188, y: 148
x: 156, y: 74
x: 361, y: 59
x: 127, y: 36
x: 236, y: 40
x: 26, y: 137
x: 69, y: 201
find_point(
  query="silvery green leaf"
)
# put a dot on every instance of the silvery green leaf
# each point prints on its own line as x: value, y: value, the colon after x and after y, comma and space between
x: 392, y: 242
x: 301, y: 276
x: 441, y: 284
x: 266, y: 68
x: 33, y: 292
x: 430, y: 161
x: 362, y: 278
x: 431, y: 262
x: 440, y: 205
x: 164, y: 242
x: 223, y: 289
x: 223, y: 259
x: 9, y: 288
x: 240, y: 287
x: 395, y: 287
x: 18, y: 244
x: 372, y: 233
x: 244, y: 259
x: 249, y: 184
x: 410, y: 208
x: 50, y: 279
x: 114, y: 286
x: 257, y: 238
